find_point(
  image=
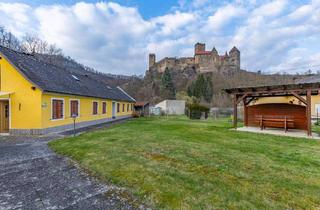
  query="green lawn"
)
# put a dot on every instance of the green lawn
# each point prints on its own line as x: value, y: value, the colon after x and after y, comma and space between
x: 177, y: 163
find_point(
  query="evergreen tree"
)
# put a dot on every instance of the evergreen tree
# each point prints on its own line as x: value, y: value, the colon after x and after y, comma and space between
x: 208, y: 93
x: 190, y: 90
x: 201, y: 88
x: 167, y: 88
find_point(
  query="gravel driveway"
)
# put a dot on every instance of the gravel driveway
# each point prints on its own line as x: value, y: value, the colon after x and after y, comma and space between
x: 34, y: 177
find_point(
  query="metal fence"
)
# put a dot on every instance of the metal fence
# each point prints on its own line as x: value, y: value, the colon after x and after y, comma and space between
x: 217, y: 112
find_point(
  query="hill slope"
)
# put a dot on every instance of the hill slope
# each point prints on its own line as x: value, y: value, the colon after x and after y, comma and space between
x: 182, y: 78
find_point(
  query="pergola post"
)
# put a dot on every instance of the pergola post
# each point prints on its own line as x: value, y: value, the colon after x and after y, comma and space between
x: 235, y: 111
x: 245, y: 117
x: 309, y: 128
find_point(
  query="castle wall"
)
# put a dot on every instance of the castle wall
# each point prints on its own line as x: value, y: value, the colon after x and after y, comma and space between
x: 185, y: 62
x: 173, y: 63
x: 204, y: 61
x: 208, y: 63
x: 165, y: 63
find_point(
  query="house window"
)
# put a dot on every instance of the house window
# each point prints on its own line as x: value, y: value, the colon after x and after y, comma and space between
x: 6, y: 111
x: 118, y: 107
x: 57, y: 109
x: 104, y: 107
x: 317, y: 109
x: 123, y: 107
x: 95, y: 108
x: 127, y: 107
x: 131, y: 107
x: 74, y: 108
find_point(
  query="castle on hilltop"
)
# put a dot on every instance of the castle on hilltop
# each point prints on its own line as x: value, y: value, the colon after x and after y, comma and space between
x: 203, y: 61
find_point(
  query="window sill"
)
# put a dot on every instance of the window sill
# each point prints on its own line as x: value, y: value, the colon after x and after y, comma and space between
x: 57, y: 119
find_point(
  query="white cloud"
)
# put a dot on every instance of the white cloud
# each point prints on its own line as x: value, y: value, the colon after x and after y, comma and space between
x: 223, y: 16
x: 267, y: 39
x: 271, y: 35
x: 106, y: 36
x: 171, y: 23
x: 301, y: 12
x: 16, y: 19
x: 270, y: 9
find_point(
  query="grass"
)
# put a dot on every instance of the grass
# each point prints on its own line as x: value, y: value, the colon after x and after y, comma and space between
x: 177, y: 163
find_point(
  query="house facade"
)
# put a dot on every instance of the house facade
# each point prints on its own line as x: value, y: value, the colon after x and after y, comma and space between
x: 40, y: 98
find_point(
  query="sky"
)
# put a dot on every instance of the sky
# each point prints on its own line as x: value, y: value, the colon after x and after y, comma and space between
x: 117, y: 36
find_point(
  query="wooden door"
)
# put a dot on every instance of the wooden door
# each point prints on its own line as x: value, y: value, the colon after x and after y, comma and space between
x: 4, y: 116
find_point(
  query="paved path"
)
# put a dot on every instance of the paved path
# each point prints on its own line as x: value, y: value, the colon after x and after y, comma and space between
x: 34, y: 177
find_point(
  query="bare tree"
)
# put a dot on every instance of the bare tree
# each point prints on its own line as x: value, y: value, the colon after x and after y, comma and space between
x: 54, y: 50
x: 7, y: 39
x: 34, y: 45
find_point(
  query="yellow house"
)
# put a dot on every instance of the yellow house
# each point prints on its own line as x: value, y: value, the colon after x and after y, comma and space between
x: 40, y: 98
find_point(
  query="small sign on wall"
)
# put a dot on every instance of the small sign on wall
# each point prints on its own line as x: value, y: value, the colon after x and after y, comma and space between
x: 44, y: 105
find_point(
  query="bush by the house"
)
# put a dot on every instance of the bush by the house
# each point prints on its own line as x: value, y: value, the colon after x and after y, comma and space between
x: 135, y: 114
x: 195, y: 111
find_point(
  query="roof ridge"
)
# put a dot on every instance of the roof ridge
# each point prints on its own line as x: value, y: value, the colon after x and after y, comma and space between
x: 125, y: 93
x: 16, y: 51
x: 33, y: 56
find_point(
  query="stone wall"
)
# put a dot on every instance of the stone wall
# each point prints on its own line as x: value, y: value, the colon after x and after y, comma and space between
x: 173, y: 63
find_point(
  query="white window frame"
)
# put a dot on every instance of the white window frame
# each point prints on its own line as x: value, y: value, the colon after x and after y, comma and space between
x: 102, y: 107
x: 97, y: 108
x: 63, y: 109
x: 74, y: 99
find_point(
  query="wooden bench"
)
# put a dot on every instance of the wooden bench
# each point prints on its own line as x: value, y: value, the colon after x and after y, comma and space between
x: 284, y: 122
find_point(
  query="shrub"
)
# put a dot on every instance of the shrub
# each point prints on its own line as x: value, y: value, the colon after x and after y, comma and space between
x: 195, y: 111
x: 135, y: 114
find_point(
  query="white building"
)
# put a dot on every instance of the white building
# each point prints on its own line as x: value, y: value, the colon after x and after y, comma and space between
x: 172, y: 107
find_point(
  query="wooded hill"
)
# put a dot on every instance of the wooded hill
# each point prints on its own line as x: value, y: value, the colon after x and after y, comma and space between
x: 187, y: 82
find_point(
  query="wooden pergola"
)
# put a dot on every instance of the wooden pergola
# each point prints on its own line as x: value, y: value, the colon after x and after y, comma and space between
x: 246, y: 95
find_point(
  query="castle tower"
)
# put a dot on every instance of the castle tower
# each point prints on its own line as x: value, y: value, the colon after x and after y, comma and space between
x: 152, y: 59
x: 235, y: 57
x: 199, y: 47
x: 214, y: 51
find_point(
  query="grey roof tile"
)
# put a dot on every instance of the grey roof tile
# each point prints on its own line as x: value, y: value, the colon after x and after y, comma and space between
x: 51, y: 78
x: 310, y: 79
